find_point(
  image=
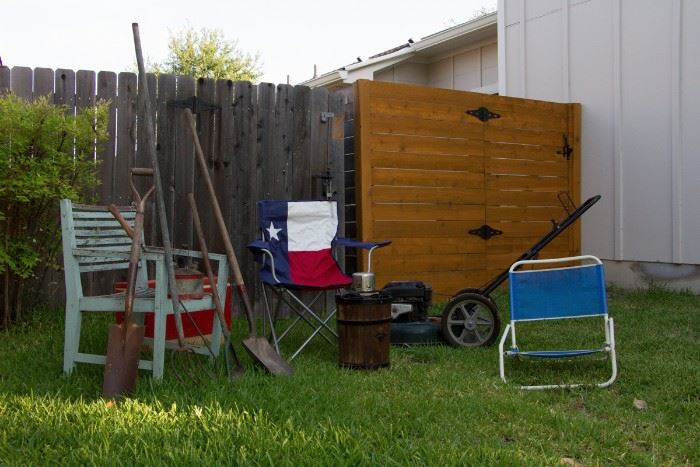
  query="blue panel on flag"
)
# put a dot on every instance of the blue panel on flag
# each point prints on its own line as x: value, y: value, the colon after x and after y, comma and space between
x: 272, y: 217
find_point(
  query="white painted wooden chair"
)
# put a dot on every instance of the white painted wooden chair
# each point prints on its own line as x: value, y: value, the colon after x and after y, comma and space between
x: 93, y: 241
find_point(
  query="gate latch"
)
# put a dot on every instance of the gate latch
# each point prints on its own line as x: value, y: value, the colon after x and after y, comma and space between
x: 485, y: 232
x: 483, y: 114
x: 566, y: 149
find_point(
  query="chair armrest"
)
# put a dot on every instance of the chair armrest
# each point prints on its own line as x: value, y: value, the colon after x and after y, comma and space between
x: 357, y: 244
x: 259, y: 246
x: 370, y: 246
x: 156, y: 253
x: 261, y: 250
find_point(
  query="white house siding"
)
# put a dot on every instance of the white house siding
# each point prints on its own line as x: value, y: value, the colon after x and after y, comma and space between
x: 634, y: 67
x: 411, y: 73
x: 465, y: 70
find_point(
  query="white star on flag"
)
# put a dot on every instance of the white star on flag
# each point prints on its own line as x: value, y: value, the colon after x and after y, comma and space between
x: 273, y: 231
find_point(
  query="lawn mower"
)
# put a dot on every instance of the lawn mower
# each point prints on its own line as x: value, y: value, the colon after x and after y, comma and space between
x: 470, y: 318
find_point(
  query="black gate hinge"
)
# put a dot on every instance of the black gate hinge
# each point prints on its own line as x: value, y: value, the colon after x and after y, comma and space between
x: 483, y: 114
x: 485, y: 232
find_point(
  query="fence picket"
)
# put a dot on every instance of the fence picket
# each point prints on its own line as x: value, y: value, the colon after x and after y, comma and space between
x: 21, y: 84
x: 165, y: 147
x: 64, y: 88
x: 225, y: 153
x: 5, y: 79
x: 182, y: 233
x: 208, y: 134
x: 301, y: 145
x: 321, y: 123
x: 265, y: 136
x: 43, y: 83
x: 282, y: 149
x: 107, y: 91
x: 244, y: 173
x: 84, y: 89
x: 126, y: 136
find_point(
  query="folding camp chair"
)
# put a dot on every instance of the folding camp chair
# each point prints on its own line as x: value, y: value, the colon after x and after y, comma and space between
x: 558, y: 293
x: 296, y: 256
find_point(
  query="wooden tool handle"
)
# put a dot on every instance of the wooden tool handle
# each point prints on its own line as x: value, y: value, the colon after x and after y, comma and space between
x: 118, y: 216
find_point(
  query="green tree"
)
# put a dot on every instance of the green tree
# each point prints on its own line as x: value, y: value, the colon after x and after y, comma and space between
x: 207, y: 54
x: 46, y: 154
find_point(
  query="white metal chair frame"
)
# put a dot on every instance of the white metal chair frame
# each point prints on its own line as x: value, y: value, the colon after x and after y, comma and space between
x: 94, y: 241
x: 608, y: 346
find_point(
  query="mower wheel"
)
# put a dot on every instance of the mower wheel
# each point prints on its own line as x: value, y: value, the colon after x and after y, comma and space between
x: 470, y: 320
x: 470, y: 290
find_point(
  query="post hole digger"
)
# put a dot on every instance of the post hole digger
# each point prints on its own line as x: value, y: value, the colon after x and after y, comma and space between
x: 125, y: 339
x: 470, y: 318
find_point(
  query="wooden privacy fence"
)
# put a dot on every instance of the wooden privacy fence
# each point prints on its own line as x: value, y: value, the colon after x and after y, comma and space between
x: 262, y: 142
x: 462, y: 183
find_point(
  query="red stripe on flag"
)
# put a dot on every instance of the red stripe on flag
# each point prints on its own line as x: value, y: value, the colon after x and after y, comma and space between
x: 316, y: 269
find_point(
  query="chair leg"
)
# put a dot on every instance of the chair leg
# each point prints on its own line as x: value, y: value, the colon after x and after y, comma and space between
x: 72, y: 337
x: 501, y: 354
x: 271, y: 319
x: 215, y: 343
x: 159, y: 343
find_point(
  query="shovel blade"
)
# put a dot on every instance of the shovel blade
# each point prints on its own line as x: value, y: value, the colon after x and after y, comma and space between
x: 264, y: 354
x: 123, y: 352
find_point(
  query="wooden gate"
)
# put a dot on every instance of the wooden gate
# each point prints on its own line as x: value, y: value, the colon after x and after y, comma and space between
x: 462, y: 183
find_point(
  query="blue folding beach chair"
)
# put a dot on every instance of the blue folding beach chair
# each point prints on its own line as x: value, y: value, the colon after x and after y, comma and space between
x: 558, y: 293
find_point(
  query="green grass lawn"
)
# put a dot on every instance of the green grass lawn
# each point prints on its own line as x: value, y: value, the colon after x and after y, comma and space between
x: 433, y: 406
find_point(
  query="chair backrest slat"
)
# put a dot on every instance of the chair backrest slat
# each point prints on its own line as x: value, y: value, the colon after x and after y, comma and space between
x: 569, y: 292
x: 103, y: 267
x: 97, y: 242
x: 95, y: 228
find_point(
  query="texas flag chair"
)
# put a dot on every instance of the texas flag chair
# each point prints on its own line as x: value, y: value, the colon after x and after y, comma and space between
x: 296, y: 253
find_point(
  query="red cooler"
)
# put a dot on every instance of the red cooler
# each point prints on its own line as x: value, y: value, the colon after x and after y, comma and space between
x: 204, y: 319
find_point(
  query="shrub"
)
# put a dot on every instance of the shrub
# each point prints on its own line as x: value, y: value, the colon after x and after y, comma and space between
x: 46, y: 153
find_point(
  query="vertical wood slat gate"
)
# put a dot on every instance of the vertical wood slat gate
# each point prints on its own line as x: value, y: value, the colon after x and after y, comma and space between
x: 263, y: 141
x: 429, y: 172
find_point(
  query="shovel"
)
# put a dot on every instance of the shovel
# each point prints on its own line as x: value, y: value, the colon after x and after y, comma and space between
x: 125, y: 339
x: 237, y: 371
x: 258, y: 348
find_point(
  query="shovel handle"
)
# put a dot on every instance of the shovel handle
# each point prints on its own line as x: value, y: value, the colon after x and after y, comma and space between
x: 142, y: 171
x: 150, y: 147
x: 223, y: 231
x: 207, y: 264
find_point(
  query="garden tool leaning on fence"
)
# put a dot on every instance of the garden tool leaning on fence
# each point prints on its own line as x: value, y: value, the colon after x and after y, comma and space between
x: 150, y: 147
x: 259, y: 348
x: 125, y: 339
x: 237, y: 371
